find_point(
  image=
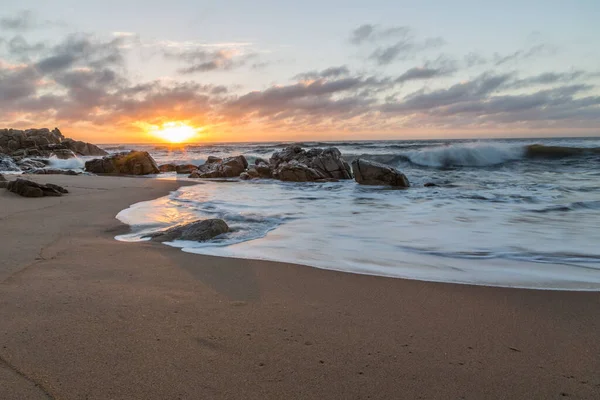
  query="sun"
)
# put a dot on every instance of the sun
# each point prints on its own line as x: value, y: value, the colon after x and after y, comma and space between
x: 174, y: 132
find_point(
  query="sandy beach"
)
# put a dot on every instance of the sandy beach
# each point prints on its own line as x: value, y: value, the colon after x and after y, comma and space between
x: 84, y: 316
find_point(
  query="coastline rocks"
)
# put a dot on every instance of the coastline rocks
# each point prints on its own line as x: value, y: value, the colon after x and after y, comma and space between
x: 167, y: 168
x: 198, y: 231
x: 43, y: 143
x: 185, y: 168
x: 26, y: 188
x: 293, y: 162
x: 132, y: 163
x: 221, y: 168
x: 52, y: 171
x: 27, y: 164
x: 8, y: 164
x: 372, y: 173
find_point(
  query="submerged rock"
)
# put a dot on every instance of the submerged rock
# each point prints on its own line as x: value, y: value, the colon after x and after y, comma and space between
x: 372, y: 173
x: 294, y: 162
x: 132, y: 163
x: 541, y: 151
x: 430, y: 184
x: 198, y: 231
x: 26, y: 188
x: 221, y: 168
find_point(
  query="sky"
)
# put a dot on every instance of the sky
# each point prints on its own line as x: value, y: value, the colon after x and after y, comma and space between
x: 116, y: 71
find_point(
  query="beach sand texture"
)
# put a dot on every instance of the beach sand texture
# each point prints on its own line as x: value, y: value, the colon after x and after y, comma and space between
x: 83, y: 316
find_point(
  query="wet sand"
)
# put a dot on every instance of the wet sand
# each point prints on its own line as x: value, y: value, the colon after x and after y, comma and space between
x: 83, y: 316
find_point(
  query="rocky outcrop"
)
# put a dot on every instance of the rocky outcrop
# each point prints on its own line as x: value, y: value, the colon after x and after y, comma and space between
x: 26, y: 188
x: 51, y: 171
x: 167, y: 168
x: 180, y: 169
x: 8, y: 164
x: 27, y: 164
x: 226, y: 168
x: 372, y: 173
x: 43, y: 143
x: 198, y: 231
x: 296, y: 164
x: 132, y: 163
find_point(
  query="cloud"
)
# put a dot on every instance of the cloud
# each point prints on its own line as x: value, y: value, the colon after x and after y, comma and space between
x: 332, y: 72
x: 538, y: 50
x: 403, y: 49
x: 201, y: 60
x: 21, y: 22
x: 548, y: 78
x: 372, y: 33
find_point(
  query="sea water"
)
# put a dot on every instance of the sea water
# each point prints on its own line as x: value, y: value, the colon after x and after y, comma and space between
x: 496, y: 217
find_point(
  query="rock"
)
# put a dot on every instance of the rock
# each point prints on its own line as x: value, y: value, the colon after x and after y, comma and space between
x: 297, y: 172
x: 259, y: 161
x: 167, y: 168
x: 26, y: 188
x: 42, y: 143
x: 180, y: 169
x: 27, y: 164
x: 227, y: 168
x: 213, y: 159
x: 185, y: 168
x: 372, y: 173
x: 198, y: 231
x: 83, y: 148
x: 541, y: 151
x: 245, y: 176
x: 264, y: 170
x: 316, y: 164
x: 63, y: 154
x: 8, y: 164
x: 430, y: 184
x: 131, y: 163
x: 51, y: 171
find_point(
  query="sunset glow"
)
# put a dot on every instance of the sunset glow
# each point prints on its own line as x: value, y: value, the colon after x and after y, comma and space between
x: 174, y: 132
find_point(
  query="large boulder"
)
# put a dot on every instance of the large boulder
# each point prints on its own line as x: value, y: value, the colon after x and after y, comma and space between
x: 83, y: 148
x: 226, y: 168
x: 26, y: 188
x: 315, y: 164
x: 198, y: 231
x: 373, y: 173
x: 132, y: 163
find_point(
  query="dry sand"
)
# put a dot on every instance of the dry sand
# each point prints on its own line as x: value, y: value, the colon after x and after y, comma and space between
x: 83, y: 316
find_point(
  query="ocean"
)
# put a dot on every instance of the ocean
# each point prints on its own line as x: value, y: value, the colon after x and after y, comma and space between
x: 497, y: 216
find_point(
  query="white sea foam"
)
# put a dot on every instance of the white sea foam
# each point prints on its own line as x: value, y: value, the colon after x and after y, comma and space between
x: 476, y: 154
x: 455, y: 234
x: 70, y: 163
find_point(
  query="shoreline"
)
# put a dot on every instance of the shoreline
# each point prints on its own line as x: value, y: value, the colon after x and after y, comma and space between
x: 85, y: 315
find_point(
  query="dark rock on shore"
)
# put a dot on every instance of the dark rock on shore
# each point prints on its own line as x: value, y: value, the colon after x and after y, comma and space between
x: 221, y: 168
x: 132, y: 163
x: 26, y: 188
x: 167, y: 168
x: 296, y: 164
x: 372, y: 173
x: 198, y: 231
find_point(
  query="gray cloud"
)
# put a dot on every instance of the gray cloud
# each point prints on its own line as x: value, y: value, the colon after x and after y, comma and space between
x: 21, y: 22
x: 548, y: 78
x: 538, y: 50
x: 372, y: 33
x: 203, y: 60
x: 332, y: 72
x: 403, y: 49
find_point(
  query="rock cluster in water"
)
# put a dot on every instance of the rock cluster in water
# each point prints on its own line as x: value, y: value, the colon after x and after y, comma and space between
x: 368, y: 172
x: 127, y: 163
